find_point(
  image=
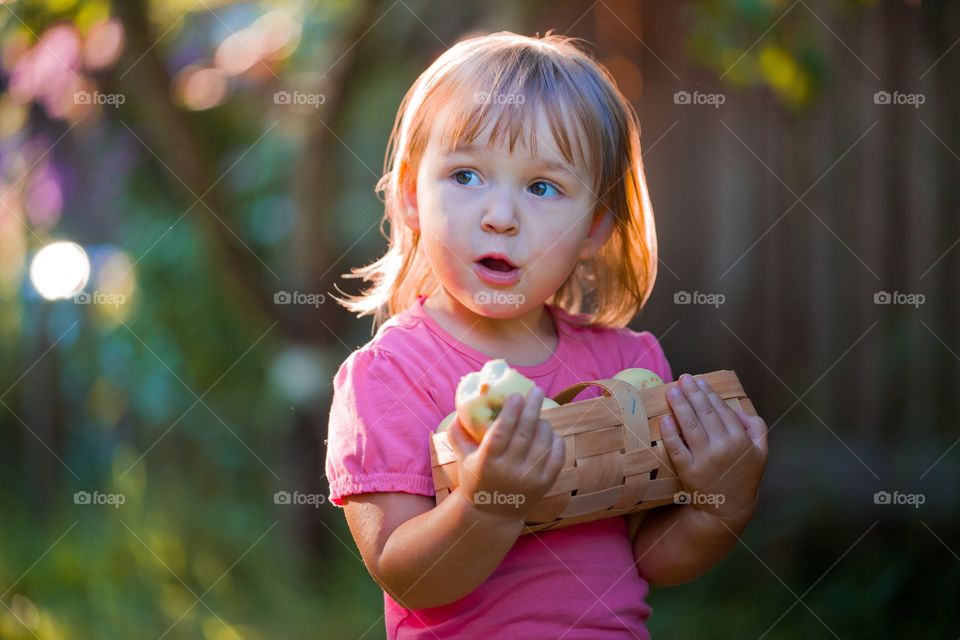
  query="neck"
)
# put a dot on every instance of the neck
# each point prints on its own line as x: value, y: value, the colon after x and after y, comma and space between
x: 529, y: 338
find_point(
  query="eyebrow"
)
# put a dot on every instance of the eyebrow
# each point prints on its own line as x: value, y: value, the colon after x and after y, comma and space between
x: 546, y: 164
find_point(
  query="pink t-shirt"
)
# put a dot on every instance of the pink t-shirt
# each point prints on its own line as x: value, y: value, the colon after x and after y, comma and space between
x: 577, y: 582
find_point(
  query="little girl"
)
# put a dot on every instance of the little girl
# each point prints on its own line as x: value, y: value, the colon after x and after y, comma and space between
x: 520, y: 228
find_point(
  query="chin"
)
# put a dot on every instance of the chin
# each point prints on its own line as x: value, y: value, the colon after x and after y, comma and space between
x: 499, y: 312
x: 500, y: 305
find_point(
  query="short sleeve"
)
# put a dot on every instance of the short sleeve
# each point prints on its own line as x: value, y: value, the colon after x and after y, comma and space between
x: 644, y: 350
x: 381, y: 418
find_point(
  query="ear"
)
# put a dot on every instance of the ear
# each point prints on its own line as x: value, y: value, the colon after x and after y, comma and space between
x: 407, y: 181
x: 600, y: 230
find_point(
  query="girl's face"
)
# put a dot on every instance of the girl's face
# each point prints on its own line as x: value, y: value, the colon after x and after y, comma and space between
x: 503, y: 231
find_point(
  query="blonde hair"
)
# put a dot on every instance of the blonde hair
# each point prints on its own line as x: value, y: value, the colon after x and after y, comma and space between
x: 573, y: 89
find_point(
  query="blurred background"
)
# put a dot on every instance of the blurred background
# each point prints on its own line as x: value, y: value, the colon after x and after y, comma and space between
x: 183, y: 182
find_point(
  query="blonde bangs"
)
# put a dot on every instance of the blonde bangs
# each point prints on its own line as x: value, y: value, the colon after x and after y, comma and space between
x: 501, y: 92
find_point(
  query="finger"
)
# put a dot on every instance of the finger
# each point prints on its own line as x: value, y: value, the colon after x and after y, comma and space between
x: 539, y: 451
x: 462, y: 442
x: 554, y: 465
x: 707, y: 415
x: 729, y: 419
x: 497, y: 439
x: 756, y: 429
x: 527, y: 425
x: 551, y: 459
x: 679, y: 454
x: 689, y: 423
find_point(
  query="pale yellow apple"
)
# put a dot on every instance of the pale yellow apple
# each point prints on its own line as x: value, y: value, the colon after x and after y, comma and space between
x: 445, y: 423
x: 639, y: 378
x: 548, y: 403
x: 481, y: 394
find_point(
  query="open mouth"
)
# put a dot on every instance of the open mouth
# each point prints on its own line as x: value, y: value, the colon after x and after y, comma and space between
x: 497, y: 263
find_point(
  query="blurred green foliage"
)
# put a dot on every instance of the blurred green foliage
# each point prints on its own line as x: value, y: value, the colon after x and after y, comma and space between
x: 777, y: 44
x: 169, y: 399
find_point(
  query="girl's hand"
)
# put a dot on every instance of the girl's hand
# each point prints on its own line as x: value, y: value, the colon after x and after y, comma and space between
x: 725, y: 452
x: 515, y: 464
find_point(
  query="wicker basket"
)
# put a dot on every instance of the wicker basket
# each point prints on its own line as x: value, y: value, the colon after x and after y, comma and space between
x: 616, y: 463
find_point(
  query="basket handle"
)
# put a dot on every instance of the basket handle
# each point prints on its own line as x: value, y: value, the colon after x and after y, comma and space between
x: 632, y: 411
x: 574, y: 390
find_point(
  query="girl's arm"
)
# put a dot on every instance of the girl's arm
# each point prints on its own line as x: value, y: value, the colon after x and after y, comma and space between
x: 721, y: 454
x: 678, y: 543
x: 427, y: 556
x: 424, y: 554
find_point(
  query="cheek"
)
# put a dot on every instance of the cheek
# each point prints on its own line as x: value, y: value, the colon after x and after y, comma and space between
x: 556, y: 254
x: 439, y: 204
x: 438, y: 245
x: 560, y: 242
x: 443, y: 244
x: 433, y: 218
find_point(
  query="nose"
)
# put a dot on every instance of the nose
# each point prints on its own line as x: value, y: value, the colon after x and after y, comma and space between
x: 500, y: 213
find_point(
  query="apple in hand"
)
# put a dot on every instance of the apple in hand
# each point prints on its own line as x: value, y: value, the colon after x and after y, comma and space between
x: 639, y: 378
x: 548, y: 403
x: 446, y: 422
x: 482, y: 394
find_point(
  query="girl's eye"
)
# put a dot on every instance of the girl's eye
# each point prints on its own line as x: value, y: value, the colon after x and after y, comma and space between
x: 463, y: 176
x: 542, y: 189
